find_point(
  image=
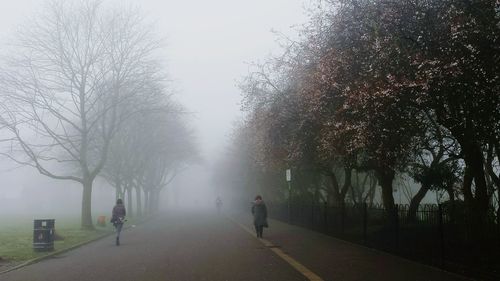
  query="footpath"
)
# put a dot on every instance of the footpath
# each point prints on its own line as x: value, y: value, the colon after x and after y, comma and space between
x: 333, y: 259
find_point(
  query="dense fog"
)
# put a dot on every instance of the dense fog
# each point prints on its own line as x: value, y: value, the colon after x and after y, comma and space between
x: 215, y: 67
x: 190, y: 125
x: 207, y: 47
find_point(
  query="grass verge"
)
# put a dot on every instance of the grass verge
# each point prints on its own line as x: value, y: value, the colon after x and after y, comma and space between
x: 16, y: 239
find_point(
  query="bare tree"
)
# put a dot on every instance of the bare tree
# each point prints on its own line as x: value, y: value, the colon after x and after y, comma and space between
x: 149, y: 150
x: 169, y: 148
x: 72, y: 67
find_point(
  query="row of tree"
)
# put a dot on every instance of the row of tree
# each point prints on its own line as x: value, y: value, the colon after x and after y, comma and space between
x: 375, y: 90
x: 84, y: 94
x: 147, y: 154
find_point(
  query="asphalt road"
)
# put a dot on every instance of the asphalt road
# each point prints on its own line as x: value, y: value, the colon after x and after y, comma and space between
x: 337, y: 260
x: 196, y: 246
x: 191, y: 246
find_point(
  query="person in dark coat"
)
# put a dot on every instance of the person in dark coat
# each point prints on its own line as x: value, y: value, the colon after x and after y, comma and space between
x: 259, y: 212
x: 118, y: 218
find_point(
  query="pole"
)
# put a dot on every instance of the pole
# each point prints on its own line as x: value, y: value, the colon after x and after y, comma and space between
x: 288, y: 175
x: 342, y: 219
x: 396, y: 229
x: 325, y: 218
x: 441, y: 233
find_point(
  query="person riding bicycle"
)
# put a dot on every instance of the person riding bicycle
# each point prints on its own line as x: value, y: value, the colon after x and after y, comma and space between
x: 118, y: 218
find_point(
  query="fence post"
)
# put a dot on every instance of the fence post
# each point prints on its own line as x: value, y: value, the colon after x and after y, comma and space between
x: 365, y: 222
x: 441, y: 233
x: 342, y: 218
x: 325, y: 217
x: 498, y: 229
x: 289, y: 203
x: 396, y: 228
x: 313, y: 225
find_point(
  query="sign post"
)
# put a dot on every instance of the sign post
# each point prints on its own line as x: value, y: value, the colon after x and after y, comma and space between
x: 289, y: 181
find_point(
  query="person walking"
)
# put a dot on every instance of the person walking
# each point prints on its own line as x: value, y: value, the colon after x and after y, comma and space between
x: 118, y: 218
x: 259, y: 212
x: 218, y: 204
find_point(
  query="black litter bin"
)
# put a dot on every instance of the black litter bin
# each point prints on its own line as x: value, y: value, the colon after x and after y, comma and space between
x: 43, y: 235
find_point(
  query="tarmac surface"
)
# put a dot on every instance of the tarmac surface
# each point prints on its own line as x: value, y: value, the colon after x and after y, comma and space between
x: 206, y: 246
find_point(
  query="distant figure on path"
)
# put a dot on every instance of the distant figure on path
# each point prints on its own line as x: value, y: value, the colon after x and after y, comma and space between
x: 218, y: 204
x: 118, y: 218
x: 259, y: 211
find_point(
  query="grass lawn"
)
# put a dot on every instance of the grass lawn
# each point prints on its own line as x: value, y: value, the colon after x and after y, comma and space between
x: 16, y: 237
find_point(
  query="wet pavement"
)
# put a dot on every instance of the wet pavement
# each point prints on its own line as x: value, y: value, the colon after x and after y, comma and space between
x: 191, y: 246
x: 206, y: 246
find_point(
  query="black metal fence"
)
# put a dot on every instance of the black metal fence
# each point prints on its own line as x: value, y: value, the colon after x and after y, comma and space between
x: 437, y: 236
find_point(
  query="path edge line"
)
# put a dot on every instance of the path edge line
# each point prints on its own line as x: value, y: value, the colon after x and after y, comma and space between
x: 287, y: 258
x: 377, y: 251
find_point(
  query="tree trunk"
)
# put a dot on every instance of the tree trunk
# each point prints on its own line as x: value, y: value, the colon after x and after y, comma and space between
x: 130, y: 209
x: 497, y: 149
x: 340, y: 193
x: 498, y: 208
x: 87, y: 205
x: 347, y: 184
x: 156, y: 200
x: 489, y: 167
x: 117, y: 194
x: 451, y: 193
x: 481, y: 188
x: 467, y: 189
x: 370, y: 196
x: 415, y: 202
x: 118, y: 191
x: 139, y: 201
x: 150, y: 201
x: 146, y: 201
x: 362, y: 188
x: 335, y: 190
x: 354, y: 195
x: 386, y: 177
x: 475, y: 164
x: 477, y: 202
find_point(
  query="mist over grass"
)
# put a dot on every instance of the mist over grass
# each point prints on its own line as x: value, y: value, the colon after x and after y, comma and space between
x: 16, y: 236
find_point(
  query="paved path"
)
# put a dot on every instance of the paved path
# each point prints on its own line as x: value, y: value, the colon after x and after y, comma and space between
x: 184, y: 248
x: 201, y: 246
x: 334, y: 259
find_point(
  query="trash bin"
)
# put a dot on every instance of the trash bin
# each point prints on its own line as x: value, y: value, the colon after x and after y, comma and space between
x: 43, y: 235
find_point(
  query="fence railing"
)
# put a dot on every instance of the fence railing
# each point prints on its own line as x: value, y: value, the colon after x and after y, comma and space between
x: 436, y: 236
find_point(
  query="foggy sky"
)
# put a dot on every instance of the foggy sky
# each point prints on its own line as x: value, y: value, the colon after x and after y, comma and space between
x: 208, y: 47
x: 208, y: 44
